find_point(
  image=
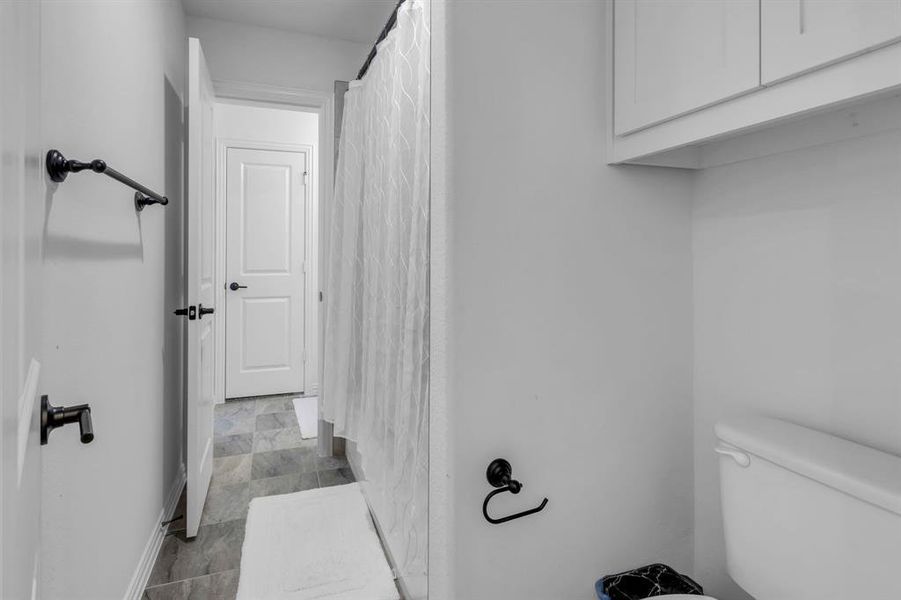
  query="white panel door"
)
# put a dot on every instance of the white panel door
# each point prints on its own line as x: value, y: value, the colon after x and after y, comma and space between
x: 22, y: 191
x: 200, y: 244
x: 675, y: 56
x: 266, y: 193
x: 799, y: 35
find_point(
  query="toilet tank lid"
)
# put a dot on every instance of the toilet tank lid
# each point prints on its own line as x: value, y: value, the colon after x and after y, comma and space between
x: 865, y: 473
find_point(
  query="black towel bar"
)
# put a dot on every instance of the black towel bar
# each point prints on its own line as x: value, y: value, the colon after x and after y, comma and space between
x: 58, y: 167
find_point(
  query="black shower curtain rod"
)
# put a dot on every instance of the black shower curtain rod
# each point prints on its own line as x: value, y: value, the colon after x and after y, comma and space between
x: 392, y: 20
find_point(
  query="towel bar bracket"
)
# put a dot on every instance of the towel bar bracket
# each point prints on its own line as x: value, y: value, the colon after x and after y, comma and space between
x: 59, y: 168
x: 141, y: 201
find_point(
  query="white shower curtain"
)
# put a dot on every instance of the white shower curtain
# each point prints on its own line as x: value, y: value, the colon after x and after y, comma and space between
x: 375, y: 364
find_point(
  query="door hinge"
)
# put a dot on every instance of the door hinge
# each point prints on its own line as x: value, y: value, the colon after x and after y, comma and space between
x: 320, y: 296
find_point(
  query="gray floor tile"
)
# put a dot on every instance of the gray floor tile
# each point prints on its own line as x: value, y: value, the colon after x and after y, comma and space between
x: 230, y: 445
x: 276, y: 420
x: 278, y: 439
x: 216, y: 548
x: 335, y: 477
x: 219, y: 586
x: 283, y: 462
x: 286, y: 484
x: 327, y: 463
x: 229, y: 425
x: 231, y: 469
x: 258, y: 452
x: 276, y: 404
x: 226, y: 503
x: 238, y: 409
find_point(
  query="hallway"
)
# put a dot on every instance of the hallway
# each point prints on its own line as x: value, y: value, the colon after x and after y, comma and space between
x: 258, y: 452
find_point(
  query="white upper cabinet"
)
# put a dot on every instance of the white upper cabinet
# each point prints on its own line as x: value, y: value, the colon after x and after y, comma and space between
x: 677, y: 56
x: 687, y: 76
x: 800, y: 35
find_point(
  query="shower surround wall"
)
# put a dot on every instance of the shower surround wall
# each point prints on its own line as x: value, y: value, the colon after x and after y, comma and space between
x: 568, y: 314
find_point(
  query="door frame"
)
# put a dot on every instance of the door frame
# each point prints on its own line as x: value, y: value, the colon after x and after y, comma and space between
x: 321, y: 103
x: 310, y: 255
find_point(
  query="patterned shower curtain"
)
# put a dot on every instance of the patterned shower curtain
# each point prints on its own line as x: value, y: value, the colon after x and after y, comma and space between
x: 375, y: 364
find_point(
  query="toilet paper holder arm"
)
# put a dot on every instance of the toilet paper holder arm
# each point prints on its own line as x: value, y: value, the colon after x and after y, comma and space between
x: 500, y: 475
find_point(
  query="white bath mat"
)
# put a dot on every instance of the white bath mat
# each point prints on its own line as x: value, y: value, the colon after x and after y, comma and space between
x: 318, y: 544
x: 307, y: 411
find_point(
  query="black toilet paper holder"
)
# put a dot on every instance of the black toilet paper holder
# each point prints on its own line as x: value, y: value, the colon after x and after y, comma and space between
x: 500, y: 475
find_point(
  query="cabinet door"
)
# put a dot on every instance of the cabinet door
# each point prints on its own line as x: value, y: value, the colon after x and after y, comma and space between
x: 675, y: 56
x: 799, y: 35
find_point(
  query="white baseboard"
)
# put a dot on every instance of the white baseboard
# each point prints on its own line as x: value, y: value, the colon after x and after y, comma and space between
x: 155, y: 541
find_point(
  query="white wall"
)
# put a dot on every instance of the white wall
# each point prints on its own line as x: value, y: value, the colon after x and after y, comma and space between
x: 797, y: 284
x: 568, y: 318
x: 113, y: 89
x: 253, y: 122
x: 246, y: 53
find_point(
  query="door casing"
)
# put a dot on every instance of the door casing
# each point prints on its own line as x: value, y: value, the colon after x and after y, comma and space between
x: 321, y: 103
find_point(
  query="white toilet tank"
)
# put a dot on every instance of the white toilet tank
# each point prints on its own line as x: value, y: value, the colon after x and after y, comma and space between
x: 808, y: 516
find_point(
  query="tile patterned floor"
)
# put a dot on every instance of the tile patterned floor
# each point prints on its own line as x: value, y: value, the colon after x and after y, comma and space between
x: 257, y: 451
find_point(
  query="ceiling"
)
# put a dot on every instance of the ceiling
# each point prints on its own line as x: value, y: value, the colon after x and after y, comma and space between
x: 350, y: 20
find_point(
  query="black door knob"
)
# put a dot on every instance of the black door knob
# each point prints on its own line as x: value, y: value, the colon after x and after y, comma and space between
x: 204, y: 311
x: 188, y: 311
x: 234, y: 286
x: 57, y: 416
